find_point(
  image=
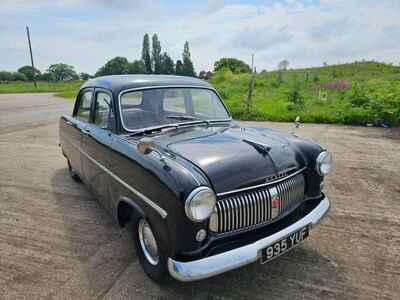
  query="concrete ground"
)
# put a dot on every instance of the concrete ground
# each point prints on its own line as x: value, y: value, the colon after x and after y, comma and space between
x: 57, y: 242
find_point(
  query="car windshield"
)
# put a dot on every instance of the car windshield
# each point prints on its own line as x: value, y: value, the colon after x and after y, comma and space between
x: 162, y: 106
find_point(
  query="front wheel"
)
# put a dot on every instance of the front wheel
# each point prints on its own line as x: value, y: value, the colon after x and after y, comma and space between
x: 151, y: 256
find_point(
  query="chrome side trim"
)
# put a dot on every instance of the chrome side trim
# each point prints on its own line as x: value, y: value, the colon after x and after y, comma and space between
x: 163, y: 87
x: 223, y: 262
x: 261, y: 185
x: 157, y: 208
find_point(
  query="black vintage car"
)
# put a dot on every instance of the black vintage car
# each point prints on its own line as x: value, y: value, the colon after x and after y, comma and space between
x: 201, y: 193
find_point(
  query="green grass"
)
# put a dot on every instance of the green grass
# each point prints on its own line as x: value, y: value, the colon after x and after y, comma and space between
x: 42, y: 87
x: 68, y: 94
x: 371, y: 97
x: 372, y: 94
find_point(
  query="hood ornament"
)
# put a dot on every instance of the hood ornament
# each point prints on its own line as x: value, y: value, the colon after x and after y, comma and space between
x: 260, y: 147
x: 296, y: 125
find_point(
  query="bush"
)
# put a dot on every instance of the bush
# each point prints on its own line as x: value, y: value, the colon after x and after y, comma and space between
x: 6, y: 76
x: 294, y: 97
x: 235, y: 65
x: 241, y: 112
x: 17, y: 76
x: 357, y: 96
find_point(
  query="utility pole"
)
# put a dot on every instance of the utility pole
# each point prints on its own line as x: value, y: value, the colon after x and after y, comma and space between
x: 30, y: 51
x: 251, y: 85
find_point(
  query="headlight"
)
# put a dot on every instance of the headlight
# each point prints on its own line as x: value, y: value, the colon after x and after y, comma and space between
x: 200, y: 204
x: 324, y: 163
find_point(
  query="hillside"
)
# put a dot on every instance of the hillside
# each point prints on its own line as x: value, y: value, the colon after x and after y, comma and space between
x: 356, y: 93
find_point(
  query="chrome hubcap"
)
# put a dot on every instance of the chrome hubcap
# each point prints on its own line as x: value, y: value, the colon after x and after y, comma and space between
x: 148, y: 242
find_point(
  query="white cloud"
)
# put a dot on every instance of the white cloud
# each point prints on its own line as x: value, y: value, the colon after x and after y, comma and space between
x: 333, y: 31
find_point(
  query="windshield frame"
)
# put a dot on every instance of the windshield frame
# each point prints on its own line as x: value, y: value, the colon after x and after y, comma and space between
x: 166, y: 87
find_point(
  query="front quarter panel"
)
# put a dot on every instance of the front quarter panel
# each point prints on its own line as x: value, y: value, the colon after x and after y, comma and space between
x: 165, y: 184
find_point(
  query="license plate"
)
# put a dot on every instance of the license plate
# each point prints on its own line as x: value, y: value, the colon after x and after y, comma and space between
x: 284, y: 245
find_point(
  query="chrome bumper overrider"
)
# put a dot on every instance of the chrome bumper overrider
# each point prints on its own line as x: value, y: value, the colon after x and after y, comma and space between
x: 223, y: 262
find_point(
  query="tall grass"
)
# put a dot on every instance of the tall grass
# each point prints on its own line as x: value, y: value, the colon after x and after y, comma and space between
x: 359, y: 93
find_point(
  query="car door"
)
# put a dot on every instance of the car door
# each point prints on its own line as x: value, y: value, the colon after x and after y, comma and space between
x: 75, y: 125
x: 96, y: 143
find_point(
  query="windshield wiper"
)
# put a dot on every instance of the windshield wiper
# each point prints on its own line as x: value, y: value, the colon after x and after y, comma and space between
x: 178, y: 117
x: 152, y: 129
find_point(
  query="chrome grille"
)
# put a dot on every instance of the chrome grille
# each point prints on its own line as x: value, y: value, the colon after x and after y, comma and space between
x: 257, y: 206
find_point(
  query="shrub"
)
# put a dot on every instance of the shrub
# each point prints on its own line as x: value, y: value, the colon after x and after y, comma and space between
x: 294, y: 97
x: 17, y: 76
x: 6, y: 76
x: 357, y: 96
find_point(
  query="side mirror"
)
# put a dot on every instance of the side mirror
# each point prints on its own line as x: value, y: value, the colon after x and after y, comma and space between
x: 145, y: 145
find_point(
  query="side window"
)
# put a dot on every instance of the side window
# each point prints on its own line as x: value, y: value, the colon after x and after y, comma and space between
x: 132, y: 99
x: 174, y: 101
x: 83, y: 112
x: 103, y: 114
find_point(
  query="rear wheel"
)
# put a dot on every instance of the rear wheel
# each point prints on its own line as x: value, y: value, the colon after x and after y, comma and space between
x: 151, y: 256
x: 72, y: 172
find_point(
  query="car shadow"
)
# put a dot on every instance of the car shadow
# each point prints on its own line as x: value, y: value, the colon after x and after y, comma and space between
x: 105, y: 263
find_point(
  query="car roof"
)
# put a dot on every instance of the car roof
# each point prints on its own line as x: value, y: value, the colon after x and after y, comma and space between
x: 118, y: 83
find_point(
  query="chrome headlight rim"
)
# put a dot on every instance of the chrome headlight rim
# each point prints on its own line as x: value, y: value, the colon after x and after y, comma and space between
x: 323, y: 158
x: 194, y: 196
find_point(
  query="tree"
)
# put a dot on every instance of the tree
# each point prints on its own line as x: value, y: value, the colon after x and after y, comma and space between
x: 84, y: 76
x: 6, y: 76
x: 167, y: 64
x: 205, y: 75
x: 156, y: 54
x: 17, y: 76
x: 137, y: 67
x: 179, y: 67
x: 235, y: 65
x: 188, y: 69
x: 146, y: 54
x: 115, y: 66
x: 283, y: 65
x: 61, y: 72
x: 29, y: 72
x: 46, y: 76
x: 209, y: 74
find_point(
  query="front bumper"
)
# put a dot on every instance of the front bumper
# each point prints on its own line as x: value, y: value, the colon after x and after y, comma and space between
x: 229, y: 260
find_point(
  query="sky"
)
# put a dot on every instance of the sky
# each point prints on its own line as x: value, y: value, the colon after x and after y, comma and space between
x: 87, y: 33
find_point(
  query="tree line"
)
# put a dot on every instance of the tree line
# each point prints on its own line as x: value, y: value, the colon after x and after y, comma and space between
x: 152, y: 61
x: 56, y: 72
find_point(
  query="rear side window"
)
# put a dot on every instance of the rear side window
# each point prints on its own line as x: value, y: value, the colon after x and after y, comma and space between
x: 130, y: 100
x: 103, y: 115
x: 83, y: 112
